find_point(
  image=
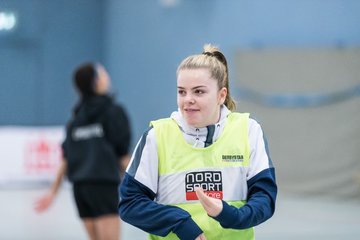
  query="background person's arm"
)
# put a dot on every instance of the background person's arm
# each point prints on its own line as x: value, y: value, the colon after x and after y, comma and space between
x: 46, y: 200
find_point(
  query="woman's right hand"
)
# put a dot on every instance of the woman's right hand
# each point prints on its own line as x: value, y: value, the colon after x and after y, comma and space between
x: 201, y: 237
x: 44, y: 202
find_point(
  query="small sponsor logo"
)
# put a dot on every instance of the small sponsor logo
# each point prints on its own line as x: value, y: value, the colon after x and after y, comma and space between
x: 87, y: 132
x: 233, y: 158
x: 210, y: 181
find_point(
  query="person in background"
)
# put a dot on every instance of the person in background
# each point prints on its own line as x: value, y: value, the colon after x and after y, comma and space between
x: 95, y: 153
x: 205, y: 172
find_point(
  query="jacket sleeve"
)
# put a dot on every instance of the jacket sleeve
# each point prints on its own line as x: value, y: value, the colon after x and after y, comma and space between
x: 119, y: 130
x: 138, y: 191
x: 64, y: 144
x: 262, y: 188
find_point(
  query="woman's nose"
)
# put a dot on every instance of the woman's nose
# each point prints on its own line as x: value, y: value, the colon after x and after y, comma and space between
x: 190, y: 99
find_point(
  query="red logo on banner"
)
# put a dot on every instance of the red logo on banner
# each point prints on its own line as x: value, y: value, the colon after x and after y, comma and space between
x: 42, y: 156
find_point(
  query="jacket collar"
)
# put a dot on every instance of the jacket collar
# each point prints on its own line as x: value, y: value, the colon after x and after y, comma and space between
x: 201, y: 133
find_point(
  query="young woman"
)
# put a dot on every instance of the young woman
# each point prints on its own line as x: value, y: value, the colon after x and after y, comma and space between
x: 95, y: 152
x: 205, y: 172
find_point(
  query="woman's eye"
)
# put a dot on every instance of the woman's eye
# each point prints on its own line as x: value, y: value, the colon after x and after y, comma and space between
x: 199, y: 91
x: 181, y: 92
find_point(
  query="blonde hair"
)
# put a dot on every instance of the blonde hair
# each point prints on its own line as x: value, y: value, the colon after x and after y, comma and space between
x: 214, y: 60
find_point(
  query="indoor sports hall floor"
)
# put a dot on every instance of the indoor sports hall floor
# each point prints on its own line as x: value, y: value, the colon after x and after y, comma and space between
x: 295, y: 219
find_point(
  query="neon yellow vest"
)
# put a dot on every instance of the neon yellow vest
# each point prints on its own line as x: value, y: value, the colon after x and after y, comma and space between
x: 220, y: 169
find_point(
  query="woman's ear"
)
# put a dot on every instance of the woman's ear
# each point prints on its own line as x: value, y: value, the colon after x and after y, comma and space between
x: 222, y: 95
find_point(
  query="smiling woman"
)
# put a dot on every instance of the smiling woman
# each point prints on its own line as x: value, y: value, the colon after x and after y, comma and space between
x: 199, y: 98
x: 204, y: 157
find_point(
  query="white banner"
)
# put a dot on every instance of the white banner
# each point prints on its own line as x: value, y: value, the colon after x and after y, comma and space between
x: 29, y: 155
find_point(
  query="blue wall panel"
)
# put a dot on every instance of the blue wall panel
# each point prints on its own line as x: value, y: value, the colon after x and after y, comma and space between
x: 142, y: 42
x: 38, y: 58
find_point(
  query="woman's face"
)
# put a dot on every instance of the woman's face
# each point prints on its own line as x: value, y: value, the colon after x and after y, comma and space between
x: 199, y: 98
x: 103, y: 81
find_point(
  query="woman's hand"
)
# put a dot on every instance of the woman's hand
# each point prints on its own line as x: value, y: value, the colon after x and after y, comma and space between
x: 44, y: 202
x: 201, y: 237
x: 212, y: 206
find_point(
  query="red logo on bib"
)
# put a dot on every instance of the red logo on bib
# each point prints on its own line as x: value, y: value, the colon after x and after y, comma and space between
x: 210, y: 181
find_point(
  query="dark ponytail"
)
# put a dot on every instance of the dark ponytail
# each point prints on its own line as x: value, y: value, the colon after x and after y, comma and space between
x: 84, y: 79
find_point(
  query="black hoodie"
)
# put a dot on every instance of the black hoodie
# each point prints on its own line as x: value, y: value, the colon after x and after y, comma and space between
x: 96, y: 137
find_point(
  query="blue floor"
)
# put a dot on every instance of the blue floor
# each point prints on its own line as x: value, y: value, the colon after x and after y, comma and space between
x: 295, y: 218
